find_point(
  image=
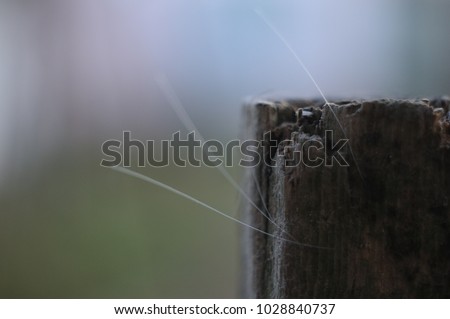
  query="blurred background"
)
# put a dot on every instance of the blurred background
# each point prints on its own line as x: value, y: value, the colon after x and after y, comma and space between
x: 76, y: 73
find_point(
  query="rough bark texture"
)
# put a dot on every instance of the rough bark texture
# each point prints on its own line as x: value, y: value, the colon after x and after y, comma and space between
x: 381, y: 224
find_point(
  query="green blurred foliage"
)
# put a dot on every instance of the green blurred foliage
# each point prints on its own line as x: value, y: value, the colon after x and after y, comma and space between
x: 77, y: 230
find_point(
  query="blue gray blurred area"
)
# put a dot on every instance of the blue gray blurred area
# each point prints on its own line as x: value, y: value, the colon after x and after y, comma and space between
x: 76, y: 73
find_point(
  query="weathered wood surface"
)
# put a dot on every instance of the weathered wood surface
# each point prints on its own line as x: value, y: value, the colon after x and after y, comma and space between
x: 385, y: 218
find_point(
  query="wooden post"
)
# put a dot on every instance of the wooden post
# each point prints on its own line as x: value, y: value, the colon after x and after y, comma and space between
x: 380, y: 227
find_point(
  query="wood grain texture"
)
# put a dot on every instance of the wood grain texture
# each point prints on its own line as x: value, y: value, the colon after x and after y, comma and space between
x: 385, y: 219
